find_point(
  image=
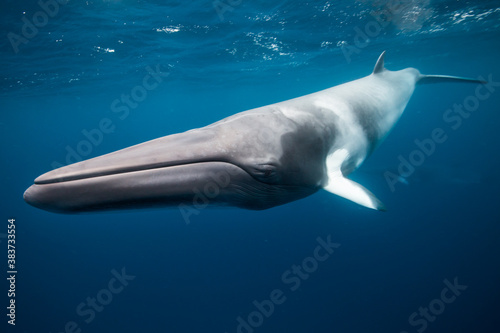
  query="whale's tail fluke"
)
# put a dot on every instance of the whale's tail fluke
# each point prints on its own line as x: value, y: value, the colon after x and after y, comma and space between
x: 426, y: 79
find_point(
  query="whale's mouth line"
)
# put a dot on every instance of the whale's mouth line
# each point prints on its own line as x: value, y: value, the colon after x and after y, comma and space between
x: 89, y: 174
x: 168, y: 186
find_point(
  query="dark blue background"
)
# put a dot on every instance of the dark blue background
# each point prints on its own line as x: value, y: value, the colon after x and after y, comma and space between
x: 200, y: 277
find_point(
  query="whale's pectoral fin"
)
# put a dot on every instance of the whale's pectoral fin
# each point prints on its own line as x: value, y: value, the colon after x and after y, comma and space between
x: 346, y: 188
x: 353, y: 191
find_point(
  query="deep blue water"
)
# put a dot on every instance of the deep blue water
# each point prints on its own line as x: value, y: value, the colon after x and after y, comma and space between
x: 442, y: 222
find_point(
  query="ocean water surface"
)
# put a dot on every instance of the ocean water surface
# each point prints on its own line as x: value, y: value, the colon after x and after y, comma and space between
x: 72, y: 87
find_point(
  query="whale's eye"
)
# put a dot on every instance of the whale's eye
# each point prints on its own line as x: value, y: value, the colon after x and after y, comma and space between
x: 265, y: 172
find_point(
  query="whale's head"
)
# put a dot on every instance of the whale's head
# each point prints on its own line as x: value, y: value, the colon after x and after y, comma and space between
x: 256, y: 160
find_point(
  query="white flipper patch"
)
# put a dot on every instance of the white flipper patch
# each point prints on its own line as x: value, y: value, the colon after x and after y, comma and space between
x: 346, y: 188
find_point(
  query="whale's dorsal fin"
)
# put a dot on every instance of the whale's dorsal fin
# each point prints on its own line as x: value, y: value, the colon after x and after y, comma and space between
x: 346, y: 188
x: 379, y: 66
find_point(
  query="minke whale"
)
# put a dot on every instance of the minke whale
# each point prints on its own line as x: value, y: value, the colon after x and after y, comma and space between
x: 255, y: 159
